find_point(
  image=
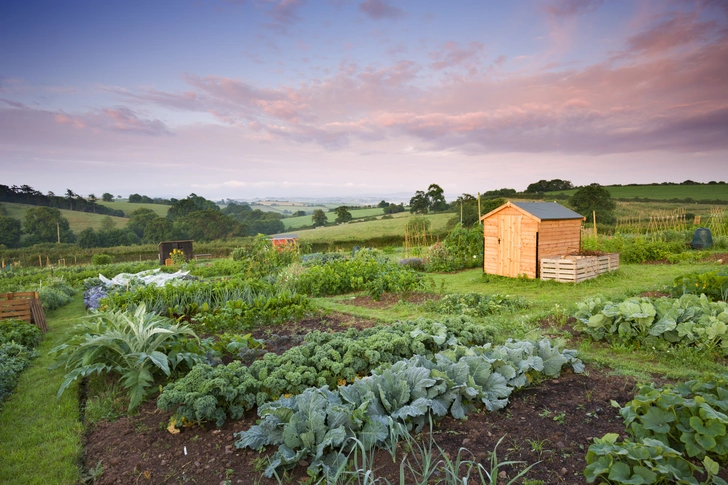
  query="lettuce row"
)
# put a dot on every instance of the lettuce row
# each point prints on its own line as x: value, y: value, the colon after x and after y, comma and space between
x: 321, y: 425
x: 688, y: 320
x: 216, y: 393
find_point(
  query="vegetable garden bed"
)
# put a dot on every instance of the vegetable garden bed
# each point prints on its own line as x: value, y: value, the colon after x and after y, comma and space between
x: 575, y: 269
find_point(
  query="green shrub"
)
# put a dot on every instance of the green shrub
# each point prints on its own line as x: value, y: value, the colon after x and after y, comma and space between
x: 714, y: 284
x: 101, y: 259
x: 461, y: 248
x: 20, y: 332
x: 368, y: 271
x: 261, y: 258
x: 475, y: 304
x: 13, y: 359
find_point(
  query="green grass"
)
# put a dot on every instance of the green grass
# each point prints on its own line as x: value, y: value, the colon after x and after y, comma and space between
x: 664, y: 192
x: 558, y: 300
x: 294, y: 222
x: 128, y: 207
x: 77, y: 220
x: 366, y: 230
x: 40, y: 438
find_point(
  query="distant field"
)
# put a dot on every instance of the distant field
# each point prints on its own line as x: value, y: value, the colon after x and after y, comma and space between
x: 77, y: 220
x: 362, y: 231
x: 128, y: 207
x: 288, y: 208
x: 294, y: 222
x: 665, y: 192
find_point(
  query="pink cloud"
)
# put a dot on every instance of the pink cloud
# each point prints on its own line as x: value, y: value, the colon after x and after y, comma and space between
x: 63, y: 119
x: 379, y: 10
x: 676, y: 30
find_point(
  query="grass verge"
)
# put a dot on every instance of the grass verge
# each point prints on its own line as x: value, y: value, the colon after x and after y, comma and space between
x: 40, y: 437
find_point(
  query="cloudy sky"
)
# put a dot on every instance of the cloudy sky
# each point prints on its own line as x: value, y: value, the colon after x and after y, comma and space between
x: 285, y: 98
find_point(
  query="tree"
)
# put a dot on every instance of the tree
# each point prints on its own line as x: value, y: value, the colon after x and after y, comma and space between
x: 107, y: 197
x: 342, y: 214
x: 383, y: 204
x: 139, y: 218
x: 467, y: 206
x: 45, y: 222
x: 70, y: 195
x: 420, y: 203
x: 92, y: 199
x: 107, y: 223
x: 135, y: 198
x: 206, y: 225
x: 436, y: 198
x: 158, y: 229
x: 10, y: 230
x: 298, y: 214
x: 549, y: 186
x: 394, y: 208
x: 318, y: 218
x: 192, y: 203
x: 594, y: 198
x: 88, y: 238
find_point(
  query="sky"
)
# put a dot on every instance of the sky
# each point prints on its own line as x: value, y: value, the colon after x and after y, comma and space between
x: 336, y: 98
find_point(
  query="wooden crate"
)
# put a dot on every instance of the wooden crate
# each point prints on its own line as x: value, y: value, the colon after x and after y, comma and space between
x: 575, y: 269
x: 23, y: 306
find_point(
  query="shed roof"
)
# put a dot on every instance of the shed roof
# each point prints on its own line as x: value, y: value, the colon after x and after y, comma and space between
x: 547, y: 211
x: 543, y: 211
x: 175, y: 242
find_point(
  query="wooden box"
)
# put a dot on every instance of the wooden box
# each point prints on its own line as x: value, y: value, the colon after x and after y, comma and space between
x: 575, y: 269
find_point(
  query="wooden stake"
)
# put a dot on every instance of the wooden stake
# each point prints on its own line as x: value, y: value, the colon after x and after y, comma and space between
x: 40, y: 261
x: 594, y: 216
x: 479, y: 214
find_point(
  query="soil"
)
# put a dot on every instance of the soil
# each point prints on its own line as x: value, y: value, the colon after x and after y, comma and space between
x: 718, y: 258
x: 552, y: 423
x: 389, y: 299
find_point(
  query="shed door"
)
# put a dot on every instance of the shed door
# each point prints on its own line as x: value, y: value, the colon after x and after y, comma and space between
x: 509, y: 247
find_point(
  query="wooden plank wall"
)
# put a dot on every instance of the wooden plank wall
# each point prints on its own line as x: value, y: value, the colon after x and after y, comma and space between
x: 559, y: 238
x: 517, y: 261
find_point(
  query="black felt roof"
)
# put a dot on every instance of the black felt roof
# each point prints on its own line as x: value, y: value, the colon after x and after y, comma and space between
x: 548, y: 210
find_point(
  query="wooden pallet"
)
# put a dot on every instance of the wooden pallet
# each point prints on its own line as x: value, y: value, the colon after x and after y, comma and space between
x: 23, y: 306
x: 575, y: 269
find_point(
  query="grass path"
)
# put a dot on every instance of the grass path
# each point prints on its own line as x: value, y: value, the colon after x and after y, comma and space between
x: 40, y: 437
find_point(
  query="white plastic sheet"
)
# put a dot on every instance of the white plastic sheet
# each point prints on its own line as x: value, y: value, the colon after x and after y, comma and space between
x: 148, y: 277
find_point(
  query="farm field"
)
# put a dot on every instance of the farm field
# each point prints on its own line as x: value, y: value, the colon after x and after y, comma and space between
x: 544, y: 427
x: 359, y: 231
x: 128, y: 207
x: 294, y: 222
x: 78, y: 221
x: 666, y: 192
x: 287, y: 208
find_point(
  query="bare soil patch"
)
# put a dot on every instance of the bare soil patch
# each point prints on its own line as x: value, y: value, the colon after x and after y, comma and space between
x: 389, y: 299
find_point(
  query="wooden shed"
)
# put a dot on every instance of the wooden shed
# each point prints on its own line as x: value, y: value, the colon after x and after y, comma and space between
x: 517, y: 235
x: 166, y: 247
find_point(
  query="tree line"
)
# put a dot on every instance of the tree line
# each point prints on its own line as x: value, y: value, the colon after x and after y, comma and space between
x: 25, y: 194
x: 193, y: 217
